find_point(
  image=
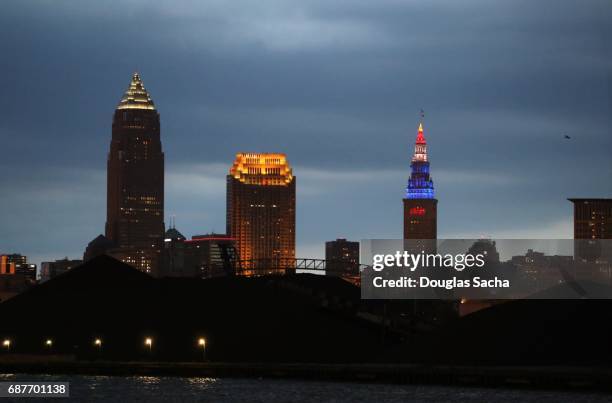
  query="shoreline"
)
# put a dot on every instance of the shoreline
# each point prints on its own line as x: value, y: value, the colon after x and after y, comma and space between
x: 510, y: 377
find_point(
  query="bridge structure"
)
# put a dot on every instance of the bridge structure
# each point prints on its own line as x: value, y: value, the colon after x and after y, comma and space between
x: 282, y: 266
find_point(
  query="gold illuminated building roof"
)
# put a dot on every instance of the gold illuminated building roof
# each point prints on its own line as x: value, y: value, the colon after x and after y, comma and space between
x: 269, y: 169
x: 136, y: 96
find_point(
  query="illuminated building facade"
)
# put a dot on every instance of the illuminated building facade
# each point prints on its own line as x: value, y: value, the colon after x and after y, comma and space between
x: 6, y: 265
x: 17, y: 263
x: 592, y: 222
x: 16, y: 275
x: 592, y: 218
x: 341, y: 258
x: 135, y: 193
x: 261, y: 209
x: 420, y: 204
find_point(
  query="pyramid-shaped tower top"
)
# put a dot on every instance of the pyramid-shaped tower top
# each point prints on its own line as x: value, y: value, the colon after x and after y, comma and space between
x: 136, y: 96
x: 420, y: 137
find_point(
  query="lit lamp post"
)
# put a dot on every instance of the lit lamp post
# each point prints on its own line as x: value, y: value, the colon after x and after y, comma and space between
x: 98, y: 345
x: 7, y: 344
x: 202, y: 345
x: 49, y: 344
x: 149, y: 344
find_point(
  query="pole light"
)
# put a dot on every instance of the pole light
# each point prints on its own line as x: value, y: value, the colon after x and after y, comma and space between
x: 49, y: 343
x: 7, y: 344
x: 98, y: 344
x: 202, y: 345
x: 149, y: 343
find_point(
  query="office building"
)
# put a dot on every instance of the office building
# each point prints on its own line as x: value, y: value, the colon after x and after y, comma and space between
x: 135, y: 193
x: 341, y: 258
x: 49, y: 270
x: 593, y: 223
x: 202, y: 256
x: 261, y: 210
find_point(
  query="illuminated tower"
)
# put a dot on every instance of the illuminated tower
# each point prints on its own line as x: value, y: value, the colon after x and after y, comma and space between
x: 261, y: 209
x: 420, y: 205
x: 135, y: 182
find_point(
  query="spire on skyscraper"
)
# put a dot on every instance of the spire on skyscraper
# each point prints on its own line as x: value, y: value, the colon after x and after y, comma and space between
x: 420, y: 185
x: 420, y: 137
x: 136, y: 96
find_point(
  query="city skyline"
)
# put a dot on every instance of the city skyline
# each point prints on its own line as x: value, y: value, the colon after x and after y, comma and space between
x: 495, y: 123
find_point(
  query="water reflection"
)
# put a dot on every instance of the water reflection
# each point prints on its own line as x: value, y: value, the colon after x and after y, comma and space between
x: 148, y: 380
x: 153, y: 389
x: 202, y: 383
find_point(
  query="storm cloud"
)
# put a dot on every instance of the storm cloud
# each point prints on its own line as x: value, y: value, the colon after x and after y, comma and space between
x: 336, y: 85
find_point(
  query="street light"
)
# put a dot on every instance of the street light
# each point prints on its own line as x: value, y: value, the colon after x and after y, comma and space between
x: 149, y: 343
x: 49, y: 343
x: 202, y: 344
x: 98, y: 345
x: 7, y: 343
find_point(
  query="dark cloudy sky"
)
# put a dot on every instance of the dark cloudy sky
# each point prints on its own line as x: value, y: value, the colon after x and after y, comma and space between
x: 337, y: 85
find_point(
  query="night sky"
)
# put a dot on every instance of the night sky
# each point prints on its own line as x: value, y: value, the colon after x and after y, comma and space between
x: 336, y: 85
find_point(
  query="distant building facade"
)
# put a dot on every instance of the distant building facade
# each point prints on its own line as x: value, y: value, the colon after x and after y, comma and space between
x: 212, y: 255
x: 592, y: 222
x: 261, y: 209
x: 17, y: 263
x: 6, y: 265
x: 203, y: 256
x: 48, y: 270
x: 17, y: 258
x: 135, y: 194
x: 29, y: 271
x: 173, y: 255
x: 101, y: 245
x: 420, y: 204
x: 592, y: 218
x: 16, y: 275
x: 537, y: 268
x: 341, y: 258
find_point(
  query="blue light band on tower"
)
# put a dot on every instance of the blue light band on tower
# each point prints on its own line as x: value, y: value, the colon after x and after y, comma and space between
x: 420, y: 184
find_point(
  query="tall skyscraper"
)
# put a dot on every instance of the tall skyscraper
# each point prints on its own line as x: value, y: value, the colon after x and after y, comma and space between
x: 420, y: 204
x: 261, y: 208
x: 135, y: 194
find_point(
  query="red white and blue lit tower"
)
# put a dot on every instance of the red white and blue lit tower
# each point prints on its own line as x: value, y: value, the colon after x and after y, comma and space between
x: 420, y: 204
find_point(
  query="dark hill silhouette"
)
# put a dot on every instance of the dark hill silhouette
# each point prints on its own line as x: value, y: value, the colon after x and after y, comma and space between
x: 292, y: 318
x: 295, y: 318
x: 526, y: 332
